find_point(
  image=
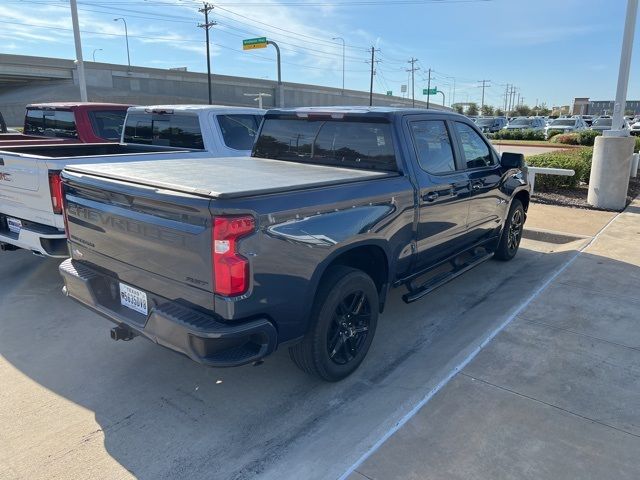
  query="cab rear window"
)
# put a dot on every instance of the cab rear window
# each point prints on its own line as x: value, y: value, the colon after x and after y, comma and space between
x: 50, y: 123
x: 170, y: 130
x: 353, y: 144
x: 107, y: 124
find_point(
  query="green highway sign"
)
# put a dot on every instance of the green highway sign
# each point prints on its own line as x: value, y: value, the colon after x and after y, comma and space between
x: 251, y: 43
x: 389, y: 92
x: 432, y: 91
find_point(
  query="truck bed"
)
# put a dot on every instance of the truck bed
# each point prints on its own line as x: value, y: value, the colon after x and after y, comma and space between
x: 227, y: 177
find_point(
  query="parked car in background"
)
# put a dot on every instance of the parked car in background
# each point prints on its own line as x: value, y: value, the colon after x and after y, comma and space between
x: 297, y: 245
x: 588, y: 119
x: 601, y: 124
x: 526, y: 123
x: 69, y: 122
x: 566, y: 125
x: 491, y: 124
x: 31, y: 206
x: 634, y: 129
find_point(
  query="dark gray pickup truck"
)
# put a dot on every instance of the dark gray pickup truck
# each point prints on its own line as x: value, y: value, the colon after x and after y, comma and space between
x: 297, y: 245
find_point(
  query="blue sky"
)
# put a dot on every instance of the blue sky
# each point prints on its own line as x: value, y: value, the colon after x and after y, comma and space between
x: 551, y: 50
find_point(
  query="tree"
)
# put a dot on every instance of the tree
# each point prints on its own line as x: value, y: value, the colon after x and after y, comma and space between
x: 499, y: 112
x: 542, y: 110
x: 487, y: 110
x: 522, y: 110
x: 472, y: 109
x: 458, y: 108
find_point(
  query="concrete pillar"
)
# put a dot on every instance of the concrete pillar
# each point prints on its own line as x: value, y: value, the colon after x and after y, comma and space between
x: 610, y: 169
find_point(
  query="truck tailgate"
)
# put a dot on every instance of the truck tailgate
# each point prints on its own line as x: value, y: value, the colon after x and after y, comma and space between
x: 143, y: 236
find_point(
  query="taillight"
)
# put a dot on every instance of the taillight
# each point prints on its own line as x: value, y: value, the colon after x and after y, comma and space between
x: 55, y: 187
x: 230, y: 269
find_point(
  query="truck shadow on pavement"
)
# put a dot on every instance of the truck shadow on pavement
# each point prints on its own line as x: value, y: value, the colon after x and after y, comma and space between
x: 160, y: 415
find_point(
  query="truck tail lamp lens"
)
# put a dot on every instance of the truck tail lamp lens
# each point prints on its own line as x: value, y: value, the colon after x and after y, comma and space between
x: 55, y: 187
x: 230, y: 269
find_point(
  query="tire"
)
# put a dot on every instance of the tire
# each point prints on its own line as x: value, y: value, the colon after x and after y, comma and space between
x: 512, y: 232
x: 342, y: 325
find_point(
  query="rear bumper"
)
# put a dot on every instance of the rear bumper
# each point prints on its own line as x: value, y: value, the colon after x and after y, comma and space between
x: 40, y: 239
x: 201, y: 337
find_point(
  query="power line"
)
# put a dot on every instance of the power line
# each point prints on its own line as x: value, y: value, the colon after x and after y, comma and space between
x: 207, y: 26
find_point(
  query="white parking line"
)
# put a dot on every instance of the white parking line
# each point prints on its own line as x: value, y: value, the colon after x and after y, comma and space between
x: 469, y: 358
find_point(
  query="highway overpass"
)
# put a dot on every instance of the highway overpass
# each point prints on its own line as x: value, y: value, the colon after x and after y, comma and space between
x: 26, y: 79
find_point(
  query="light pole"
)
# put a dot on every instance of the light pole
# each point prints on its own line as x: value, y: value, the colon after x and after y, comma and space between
x: 343, y: 45
x: 280, y: 87
x: 126, y: 35
x: 82, y: 81
x: 613, y: 151
x: 94, y: 53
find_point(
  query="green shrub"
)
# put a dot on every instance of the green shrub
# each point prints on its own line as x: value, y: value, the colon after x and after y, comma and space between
x: 566, y: 139
x: 553, y: 132
x: 637, y: 148
x: 587, y: 137
x: 519, y: 135
x: 578, y: 160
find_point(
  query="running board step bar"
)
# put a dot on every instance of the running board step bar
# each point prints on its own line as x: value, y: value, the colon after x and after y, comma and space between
x: 417, y: 293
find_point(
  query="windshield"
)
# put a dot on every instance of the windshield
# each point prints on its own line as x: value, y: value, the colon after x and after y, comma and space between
x: 239, y: 130
x: 171, y: 130
x: 603, y: 122
x: 352, y: 144
x: 485, y: 122
x: 522, y: 122
x: 107, y: 124
x: 567, y: 122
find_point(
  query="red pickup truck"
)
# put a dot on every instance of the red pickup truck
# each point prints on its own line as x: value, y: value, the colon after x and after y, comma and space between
x: 69, y: 122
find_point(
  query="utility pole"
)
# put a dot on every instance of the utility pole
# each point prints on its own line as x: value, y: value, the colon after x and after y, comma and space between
x: 413, y: 83
x: 373, y: 60
x: 207, y: 25
x: 428, y: 87
x: 506, y: 95
x: 82, y: 81
x: 484, y: 85
x: 343, y: 45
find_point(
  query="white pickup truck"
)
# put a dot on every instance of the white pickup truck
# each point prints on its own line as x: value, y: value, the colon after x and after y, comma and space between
x: 30, y: 194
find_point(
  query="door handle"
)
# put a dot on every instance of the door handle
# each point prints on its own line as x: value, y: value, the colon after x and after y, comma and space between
x: 430, y: 197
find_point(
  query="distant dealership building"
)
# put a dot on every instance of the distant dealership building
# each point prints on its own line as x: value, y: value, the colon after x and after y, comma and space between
x: 584, y: 106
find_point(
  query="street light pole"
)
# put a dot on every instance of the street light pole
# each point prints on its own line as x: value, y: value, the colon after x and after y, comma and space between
x: 94, y: 53
x: 613, y: 151
x: 280, y: 87
x: 343, y: 45
x: 126, y: 36
x: 82, y: 81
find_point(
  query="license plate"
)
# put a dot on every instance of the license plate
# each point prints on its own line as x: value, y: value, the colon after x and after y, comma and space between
x: 133, y: 298
x: 14, y: 225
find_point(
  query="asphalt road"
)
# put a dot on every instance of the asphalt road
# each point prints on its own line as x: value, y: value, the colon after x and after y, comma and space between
x: 75, y: 404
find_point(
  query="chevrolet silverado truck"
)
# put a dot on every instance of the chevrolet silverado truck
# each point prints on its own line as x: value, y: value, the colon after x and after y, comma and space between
x: 69, y: 122
x: 30, y: 196
x: 297, y: 245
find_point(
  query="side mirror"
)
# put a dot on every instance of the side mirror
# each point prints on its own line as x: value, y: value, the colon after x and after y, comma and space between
x: 512, y: 160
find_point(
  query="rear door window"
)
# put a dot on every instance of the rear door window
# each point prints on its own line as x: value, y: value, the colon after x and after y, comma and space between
x: 33, y: 122
x: 169, y: 130
x: 239, y: 130
x: 107, y: 124
x: 433, y: 146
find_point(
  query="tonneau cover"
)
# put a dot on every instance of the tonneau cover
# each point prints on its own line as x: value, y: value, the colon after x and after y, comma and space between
x: 226, y: 177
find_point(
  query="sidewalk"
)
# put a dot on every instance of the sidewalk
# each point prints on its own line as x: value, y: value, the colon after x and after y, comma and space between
x: 556, y: 395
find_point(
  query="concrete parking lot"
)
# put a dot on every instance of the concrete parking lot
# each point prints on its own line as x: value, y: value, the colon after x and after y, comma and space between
x: 75, y: 404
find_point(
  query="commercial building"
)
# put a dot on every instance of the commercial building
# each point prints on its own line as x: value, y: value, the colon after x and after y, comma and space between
x: 585, y: 106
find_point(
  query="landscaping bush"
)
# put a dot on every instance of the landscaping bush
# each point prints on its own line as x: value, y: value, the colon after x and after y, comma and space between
x: 518, y: 135
x: 553, y: 132
x: 587, y: 137
x: 566, y: 139
x: 578, y: 160
x: 637, y: 148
